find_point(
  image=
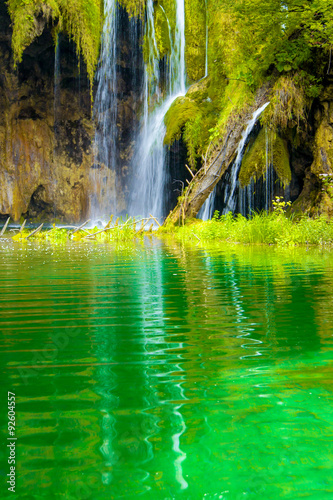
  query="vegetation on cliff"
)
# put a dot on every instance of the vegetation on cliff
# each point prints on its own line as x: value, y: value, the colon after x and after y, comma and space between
x: 250, y: 43
x: 80, y: 19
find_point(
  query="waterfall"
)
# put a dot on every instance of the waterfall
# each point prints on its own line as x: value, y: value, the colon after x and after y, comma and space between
x: 230, y: 193
x: 103, y: 201
x: 207, y: 210
x: 56, y: 117
x: 149, y: 161
x: 259, y: 193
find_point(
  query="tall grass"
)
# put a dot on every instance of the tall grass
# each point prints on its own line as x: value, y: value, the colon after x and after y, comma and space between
x: 260, y: 228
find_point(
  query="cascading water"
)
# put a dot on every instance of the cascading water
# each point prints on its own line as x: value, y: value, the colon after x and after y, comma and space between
x: 149, y: 161
x: 259, y: 193
x: 207, y: 209
x: 230, y: 197
x: 103, y: 201
x: 56, y: 114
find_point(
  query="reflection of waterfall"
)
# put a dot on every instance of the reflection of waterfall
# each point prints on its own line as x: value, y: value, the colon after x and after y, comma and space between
x: 149, y: 162
x: 103, y: 199
x: 230, y: 195
x: 176, y: 437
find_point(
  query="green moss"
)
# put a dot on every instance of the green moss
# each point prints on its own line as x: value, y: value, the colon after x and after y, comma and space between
x: 180, y: 112
x: 288, y: 104
x: 164, y: 25
x: 254, y: 161
x: 162, y: 31
x: 80, y: 19
x: 192, y: 117
x: 195, y: 33
x: 134, y: 8
x: 234, y: 100
x: 281, y: 160
x: 323, y: 148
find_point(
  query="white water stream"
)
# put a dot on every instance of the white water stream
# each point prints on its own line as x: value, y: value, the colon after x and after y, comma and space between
x: 103, y: 200
x: 149, y: 162
x: 230, y: 194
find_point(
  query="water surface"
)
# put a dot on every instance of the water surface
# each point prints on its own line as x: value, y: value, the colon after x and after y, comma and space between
x: 167, y: 372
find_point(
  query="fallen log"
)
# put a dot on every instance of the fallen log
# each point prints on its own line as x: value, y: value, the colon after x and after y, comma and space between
x: 212, y: 170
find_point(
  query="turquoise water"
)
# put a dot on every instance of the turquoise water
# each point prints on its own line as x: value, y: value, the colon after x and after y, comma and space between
x: 167, y: 372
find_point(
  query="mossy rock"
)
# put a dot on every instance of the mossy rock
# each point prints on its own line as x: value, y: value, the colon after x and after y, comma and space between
x: 181, y: 111
x: 323, y: 146
x: 254, y: 161
x: 162, y: 31
x: 134, y: 8
x: 199, y: 91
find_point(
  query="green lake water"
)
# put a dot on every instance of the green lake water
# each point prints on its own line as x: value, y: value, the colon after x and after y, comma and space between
x: 159, y: 371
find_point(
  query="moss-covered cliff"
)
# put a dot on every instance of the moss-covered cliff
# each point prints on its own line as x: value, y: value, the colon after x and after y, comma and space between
x: 235, y: 51
x: 47, y: 127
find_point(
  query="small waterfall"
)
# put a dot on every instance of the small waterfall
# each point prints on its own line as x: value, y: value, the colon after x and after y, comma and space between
x: 259, y: 193
x: 207, y: 210
x: 56, y: 115
x: 149, y: 162
x: 103, y: 201
x: 231, y: 193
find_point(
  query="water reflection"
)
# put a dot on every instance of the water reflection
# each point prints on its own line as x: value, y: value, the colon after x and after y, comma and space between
x: 169, y: 372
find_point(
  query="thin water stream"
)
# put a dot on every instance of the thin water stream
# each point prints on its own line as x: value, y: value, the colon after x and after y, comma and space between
x: 103, y: 198
x: 149, y: 162
x: 168, y: 372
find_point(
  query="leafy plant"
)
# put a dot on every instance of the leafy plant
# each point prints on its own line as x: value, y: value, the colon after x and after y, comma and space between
x: 279, y: 205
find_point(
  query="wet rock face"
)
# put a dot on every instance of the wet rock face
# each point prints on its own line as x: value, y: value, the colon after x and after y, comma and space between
x: 316, y: 197
x: 47, y: 126
x: 45, y: 142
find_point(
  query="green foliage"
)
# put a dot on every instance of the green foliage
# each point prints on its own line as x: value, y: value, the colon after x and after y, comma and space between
x: 279, y: 205
x: 121, y: 231
x: 327, y: 183
x: 261, y: 228
x: 80, y: 19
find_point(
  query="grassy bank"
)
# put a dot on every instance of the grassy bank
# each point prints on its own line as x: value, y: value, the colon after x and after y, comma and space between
x: 262, y: 228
